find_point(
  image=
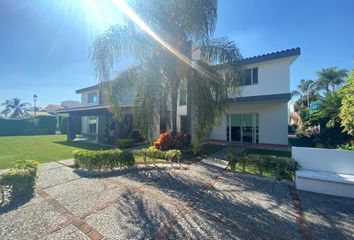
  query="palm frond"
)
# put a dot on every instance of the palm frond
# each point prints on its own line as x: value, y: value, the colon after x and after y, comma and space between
x: 117, y: 43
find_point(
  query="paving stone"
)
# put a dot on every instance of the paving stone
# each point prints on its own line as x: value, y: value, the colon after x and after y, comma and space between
x: 135, y: 216
x: 55, y: 176
x: 223, y: 153
x: 67, y: 162
x: 28, y: 220
x: 328, y: 217
x: 264, y: 205
x: 68, y: 233
x: 47, y: 166
x: 139, y: 177
x: 196, y: 226
x: 84, y: 195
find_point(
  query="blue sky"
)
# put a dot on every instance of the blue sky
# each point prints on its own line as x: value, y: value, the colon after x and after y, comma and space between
x: 44, y: 44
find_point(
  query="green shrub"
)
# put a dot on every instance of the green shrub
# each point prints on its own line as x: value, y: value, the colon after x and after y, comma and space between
x: 125, y: 143
x: 279, y: 167
x: 347, y: 146
x: 260, y: 162
x: 47, y: 122
x: 20, y: 179
x: 35, y: 132
x: 75, y: 124
x: 173, y: 154
x: 63, y: 124
x: 14, y: 127
x: 151, y: 152
x: 103, y: 159
x: 232, y: 158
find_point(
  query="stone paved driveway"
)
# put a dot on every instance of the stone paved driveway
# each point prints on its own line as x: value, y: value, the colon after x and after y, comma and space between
x: 199, y: 201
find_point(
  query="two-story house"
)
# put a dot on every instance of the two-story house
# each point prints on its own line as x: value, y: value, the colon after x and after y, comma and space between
x: 257, y: 113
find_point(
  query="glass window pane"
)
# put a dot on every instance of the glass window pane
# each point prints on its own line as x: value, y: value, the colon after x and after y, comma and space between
x: 236, y: 120
x: 248, y: 77
x: 92, y: 97
x: 255, y: 75
x: 247, y: 120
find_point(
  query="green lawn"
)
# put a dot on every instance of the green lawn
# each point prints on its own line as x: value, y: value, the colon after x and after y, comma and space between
x: 43, y: 149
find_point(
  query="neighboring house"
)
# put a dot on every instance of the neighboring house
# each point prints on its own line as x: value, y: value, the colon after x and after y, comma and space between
x: 53, y: 108
x: 40, y: 113
x: 257, y: 113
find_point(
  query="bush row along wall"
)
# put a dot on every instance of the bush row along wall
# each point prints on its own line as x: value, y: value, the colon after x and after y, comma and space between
x: 40, y: 125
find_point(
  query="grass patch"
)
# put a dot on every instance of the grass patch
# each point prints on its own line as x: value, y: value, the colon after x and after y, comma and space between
x: 209, y: 149
x: 268, y: 152
x: 253, y: 170
x: 45, y: 148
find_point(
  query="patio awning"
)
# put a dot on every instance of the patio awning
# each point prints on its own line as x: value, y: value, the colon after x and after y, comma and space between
x: 95, y: 110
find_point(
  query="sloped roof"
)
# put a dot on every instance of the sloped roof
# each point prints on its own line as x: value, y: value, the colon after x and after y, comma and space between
x: 250, y: 60
x: 273, y: 56
x: 53, y: 108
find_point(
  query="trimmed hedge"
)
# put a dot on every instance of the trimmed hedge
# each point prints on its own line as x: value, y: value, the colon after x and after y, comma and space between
x: 279, y: 167
x: 63, y: 124
x: 75, y: 124
x: 46, y: 122
x: 14, y: 127
x: 150, y: 152
x: 17, y: 127
x: 20, y: 179
x: 104, y: 159
x: 35, y: 132
x: 125, y: 143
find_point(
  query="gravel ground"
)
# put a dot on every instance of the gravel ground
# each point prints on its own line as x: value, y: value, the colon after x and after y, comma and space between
x: 184, y: 202
x: 68, y: 233
x: 28, y: 220
x: 328, y: 217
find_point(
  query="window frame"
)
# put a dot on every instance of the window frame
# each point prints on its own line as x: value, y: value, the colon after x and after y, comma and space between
x: 92, y: 95
x: 252, y: 71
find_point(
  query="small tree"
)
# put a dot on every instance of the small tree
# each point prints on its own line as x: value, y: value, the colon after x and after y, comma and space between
x: 15, y: 108
x: 347, y: 108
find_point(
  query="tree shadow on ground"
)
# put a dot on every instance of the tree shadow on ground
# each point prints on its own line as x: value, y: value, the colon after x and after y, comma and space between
x: 239, y: 206
x: 140, y: 216
x: 84, y: 145
x: 15, y: 201
x: 328, y: 217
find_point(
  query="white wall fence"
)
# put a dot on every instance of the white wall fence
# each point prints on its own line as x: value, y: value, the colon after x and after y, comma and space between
x: 328, y: 171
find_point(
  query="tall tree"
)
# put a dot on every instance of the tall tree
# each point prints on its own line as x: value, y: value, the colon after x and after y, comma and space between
x: 330, y: 77
x: 302, y: 88
x: 14, y: 108
x: 162, y: 51
x: 347, y: 108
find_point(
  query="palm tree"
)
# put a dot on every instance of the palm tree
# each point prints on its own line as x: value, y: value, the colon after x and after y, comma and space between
x: 14, y: 107
x: 164, y: 62
x: 331, y: 77
x: 302, y: 88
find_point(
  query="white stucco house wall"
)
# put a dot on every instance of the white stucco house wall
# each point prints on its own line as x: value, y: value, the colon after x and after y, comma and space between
x: 257, y: 112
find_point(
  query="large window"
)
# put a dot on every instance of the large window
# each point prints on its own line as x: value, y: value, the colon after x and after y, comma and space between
x: 92, y: 124
x: 243, y: 128
x: 250, y: 77
x: 92, y: 97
